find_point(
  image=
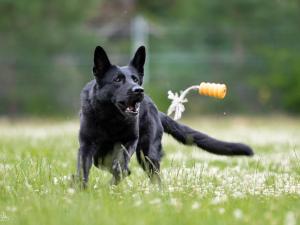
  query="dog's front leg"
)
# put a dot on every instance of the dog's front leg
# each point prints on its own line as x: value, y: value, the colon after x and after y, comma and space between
x: 120, y: 166
x: 128, y: 150
x: 84, y: 163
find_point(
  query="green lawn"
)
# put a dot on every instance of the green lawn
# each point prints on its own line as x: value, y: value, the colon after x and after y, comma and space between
x: 37, y: 159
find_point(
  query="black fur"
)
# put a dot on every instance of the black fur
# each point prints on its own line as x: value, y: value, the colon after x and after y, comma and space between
x: 117, y: 119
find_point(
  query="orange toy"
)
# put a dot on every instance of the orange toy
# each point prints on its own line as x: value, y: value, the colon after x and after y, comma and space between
x: 213, y: 90
x: 207, y: 89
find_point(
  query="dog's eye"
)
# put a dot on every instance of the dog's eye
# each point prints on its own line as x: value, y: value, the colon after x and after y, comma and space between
x: 135, y: 79
x: 118, y: 79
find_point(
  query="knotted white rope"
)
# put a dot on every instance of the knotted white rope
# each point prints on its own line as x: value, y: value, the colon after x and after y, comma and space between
x: 177, y: 101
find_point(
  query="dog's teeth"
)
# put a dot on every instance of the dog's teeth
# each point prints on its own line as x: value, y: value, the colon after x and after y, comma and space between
x: 130, y: 108
x: 133, y: 109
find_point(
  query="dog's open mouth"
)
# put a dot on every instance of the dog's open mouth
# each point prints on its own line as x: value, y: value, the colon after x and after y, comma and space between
x: 130, y: 108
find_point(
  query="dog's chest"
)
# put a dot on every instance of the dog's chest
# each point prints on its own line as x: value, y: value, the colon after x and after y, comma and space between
x: 114, y: 134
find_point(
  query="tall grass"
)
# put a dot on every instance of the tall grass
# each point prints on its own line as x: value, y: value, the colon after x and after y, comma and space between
x: 38, y: 158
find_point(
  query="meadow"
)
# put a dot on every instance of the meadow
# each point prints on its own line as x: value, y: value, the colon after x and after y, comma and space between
x: 38, y: 158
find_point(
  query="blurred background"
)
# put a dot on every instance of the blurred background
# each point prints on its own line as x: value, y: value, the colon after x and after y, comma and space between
x: 46, y: 52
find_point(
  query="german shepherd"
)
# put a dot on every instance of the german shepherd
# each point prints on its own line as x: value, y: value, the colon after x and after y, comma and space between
x: 117, y: 119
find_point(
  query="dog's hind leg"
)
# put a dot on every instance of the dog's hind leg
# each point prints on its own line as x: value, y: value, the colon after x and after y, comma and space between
x: 84, y: 163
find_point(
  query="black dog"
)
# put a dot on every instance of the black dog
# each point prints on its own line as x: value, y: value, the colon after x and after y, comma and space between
x: 117, y: 119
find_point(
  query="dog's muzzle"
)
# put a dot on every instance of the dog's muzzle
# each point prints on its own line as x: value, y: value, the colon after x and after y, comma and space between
x: 131, y: 107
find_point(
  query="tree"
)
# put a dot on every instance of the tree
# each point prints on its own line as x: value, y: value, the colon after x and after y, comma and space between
x: 34, y: 35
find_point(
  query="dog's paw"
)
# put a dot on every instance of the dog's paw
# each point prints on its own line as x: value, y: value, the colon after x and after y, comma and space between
x: 78, y: 183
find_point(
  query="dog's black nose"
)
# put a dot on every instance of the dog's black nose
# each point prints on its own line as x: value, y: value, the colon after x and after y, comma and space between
x: 137, y: 90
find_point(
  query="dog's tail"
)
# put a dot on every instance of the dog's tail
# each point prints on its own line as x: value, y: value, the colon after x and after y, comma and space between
x: 188, y: 136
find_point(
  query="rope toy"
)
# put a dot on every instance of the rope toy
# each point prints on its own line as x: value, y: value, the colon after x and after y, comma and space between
x: 206, y: 89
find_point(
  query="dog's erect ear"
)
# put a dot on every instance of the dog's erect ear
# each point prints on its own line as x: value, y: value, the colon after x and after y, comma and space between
x: 101, y: 62
x: 138, y: 60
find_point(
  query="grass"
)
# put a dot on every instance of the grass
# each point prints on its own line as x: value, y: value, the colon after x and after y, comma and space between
x: 37, y: 159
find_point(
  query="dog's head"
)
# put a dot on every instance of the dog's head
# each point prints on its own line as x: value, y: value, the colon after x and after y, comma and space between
x: 121, y: 86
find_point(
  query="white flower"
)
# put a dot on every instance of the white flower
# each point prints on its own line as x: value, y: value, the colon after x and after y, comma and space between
x: 71, y: 191
x: 219, y: 199
x: 195, y: 205
x: 55, y: 180
x: 155, y: 201
x: 238, y: 194
x: 11, y: 208
x: 290, y: 219
x: 137, y: 203
x: 238, y: 214
x: 175, y: 202
x: 221, y: 210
